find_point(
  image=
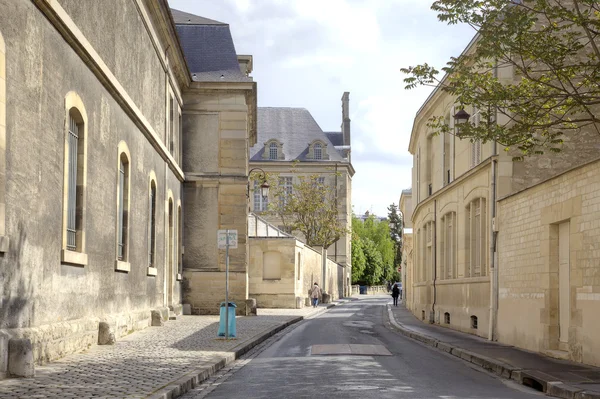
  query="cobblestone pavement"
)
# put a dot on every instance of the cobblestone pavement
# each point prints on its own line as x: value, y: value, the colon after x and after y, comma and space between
x: 143, y: 362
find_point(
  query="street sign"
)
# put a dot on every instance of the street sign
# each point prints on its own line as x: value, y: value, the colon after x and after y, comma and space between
x: 222, y: 239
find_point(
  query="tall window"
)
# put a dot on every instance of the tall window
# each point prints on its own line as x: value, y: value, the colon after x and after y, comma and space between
x: 171, y: 125
x: 476, y: 238
x: 152, y: 226
x: 74, y: 145
x: 476, y: 144
x: 179, y: 241
x: 429, y: 165
x: 74, y: 180
x: 448, y: 246
x: 273, y: 151
x: 287, y: 189
x: 260, y: 202
x: 123, y: 208
x: 318, y: 150
x: 170, y: 254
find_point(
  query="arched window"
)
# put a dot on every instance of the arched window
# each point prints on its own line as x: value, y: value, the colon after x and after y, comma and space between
x: 170, y: 250
x: 273, y: 151
x: 318, y: 151
x: 3, y: 240
x: 179, y: 240
x: 123, y: 204
x: 476, y: 238
x: 152, y: 225
x: 74, y: 181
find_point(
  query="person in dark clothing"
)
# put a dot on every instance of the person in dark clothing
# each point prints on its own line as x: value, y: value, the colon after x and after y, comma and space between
x: 395, y: 294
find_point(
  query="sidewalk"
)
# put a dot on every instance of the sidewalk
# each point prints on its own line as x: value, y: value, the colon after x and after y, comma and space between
x: 557, y: 378
x: 158, y: 362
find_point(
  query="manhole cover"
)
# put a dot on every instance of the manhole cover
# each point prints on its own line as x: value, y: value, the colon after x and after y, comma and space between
x: 350, y: 349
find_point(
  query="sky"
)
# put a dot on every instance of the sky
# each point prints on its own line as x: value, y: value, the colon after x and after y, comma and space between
x: 307, y: 53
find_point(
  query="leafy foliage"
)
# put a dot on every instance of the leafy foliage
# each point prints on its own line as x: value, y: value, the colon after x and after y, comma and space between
x: 310, y: 208
x: 396, y: 225
x: 372, y: 238
x: 551, y: 46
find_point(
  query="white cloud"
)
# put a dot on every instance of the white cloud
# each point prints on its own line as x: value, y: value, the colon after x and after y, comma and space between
x: 308, y: 52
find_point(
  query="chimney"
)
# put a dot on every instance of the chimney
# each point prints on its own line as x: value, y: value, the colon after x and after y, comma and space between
x: 346, y: 120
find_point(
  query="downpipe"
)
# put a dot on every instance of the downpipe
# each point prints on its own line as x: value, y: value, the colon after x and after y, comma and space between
x: 492, y: 334
x: 434, y: 253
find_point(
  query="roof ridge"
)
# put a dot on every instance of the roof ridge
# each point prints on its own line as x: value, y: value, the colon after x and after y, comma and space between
x: 186, y: 18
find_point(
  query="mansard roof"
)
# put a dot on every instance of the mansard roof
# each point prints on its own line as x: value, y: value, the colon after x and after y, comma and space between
x: 208, y: 48
x: 295, y: 128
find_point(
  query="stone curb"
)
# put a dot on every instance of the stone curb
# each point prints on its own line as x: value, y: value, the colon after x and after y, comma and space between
x: 191, y: 380
x: 532, y: 378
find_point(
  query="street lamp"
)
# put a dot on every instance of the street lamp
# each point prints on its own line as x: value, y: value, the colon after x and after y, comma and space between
x: 264, y: 187
x: 460, y: 118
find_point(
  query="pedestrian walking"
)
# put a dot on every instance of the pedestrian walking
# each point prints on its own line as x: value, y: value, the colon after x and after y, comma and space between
x: 395, y: 294
x: 315, y: 293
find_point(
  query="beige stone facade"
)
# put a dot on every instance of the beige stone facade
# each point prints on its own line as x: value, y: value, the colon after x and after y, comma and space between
x: 406, y: 209
x: 504, y: 249
x: 283, y: 269
x: 549, y: 276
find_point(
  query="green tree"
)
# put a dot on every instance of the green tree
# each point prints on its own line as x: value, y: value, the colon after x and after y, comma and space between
x: 553, y: 49
x: 309, y: 207
x: 359, y: 261
x: 374, y: 271
x: 374, y: 235
x: 396, y: 225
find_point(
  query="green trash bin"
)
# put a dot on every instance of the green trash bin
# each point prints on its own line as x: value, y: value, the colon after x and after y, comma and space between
x: 231, y: 308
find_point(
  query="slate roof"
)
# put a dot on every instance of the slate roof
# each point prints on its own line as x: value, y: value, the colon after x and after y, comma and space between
x: 336, y: 138
x: 208, y: 48
x: 295, y: 128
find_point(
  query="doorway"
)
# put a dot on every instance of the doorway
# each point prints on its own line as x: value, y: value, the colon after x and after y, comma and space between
x: 564, y: 285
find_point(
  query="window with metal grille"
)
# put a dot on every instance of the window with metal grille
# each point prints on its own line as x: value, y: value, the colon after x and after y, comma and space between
x: 260, y: 203
x: 474, y: 322
x: 123, y: 206
x: 152, y: 226
x: 73, y: 166
x: 273, y: 151
x: 318, y: 151
x: 447, y: 318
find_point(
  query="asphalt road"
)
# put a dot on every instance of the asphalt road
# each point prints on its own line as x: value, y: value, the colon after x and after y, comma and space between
x: 290, y: 367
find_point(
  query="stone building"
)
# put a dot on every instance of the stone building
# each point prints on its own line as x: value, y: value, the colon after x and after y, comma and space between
x: 97, y: 105
x: 505, y: 249
x: 291, y: 144
x: 219, y: 125
x: 405, y: 207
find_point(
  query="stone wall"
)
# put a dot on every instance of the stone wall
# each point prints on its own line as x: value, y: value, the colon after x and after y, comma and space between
x: 299, y: 268
x: 54, y: 302
x: 529, y: 278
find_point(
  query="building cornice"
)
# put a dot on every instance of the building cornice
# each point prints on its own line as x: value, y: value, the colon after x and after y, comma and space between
x: 298, y: 165
x: 63, y: 23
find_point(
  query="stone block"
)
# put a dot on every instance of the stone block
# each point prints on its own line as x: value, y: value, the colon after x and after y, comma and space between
x: 157, y: 319
x: 20, y: 358
x: 250, y: 307
x: 3, y: 353
x: 299, y: 302
x: 106, y: 336
x: 187, y: 309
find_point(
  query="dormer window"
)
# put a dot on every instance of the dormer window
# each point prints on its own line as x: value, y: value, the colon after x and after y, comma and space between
x: 273, y: 150
x: 318, y: 150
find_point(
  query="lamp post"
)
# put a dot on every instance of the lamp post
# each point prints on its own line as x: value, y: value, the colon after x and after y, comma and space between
x: 460, y: 118
x: 264, y: 187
